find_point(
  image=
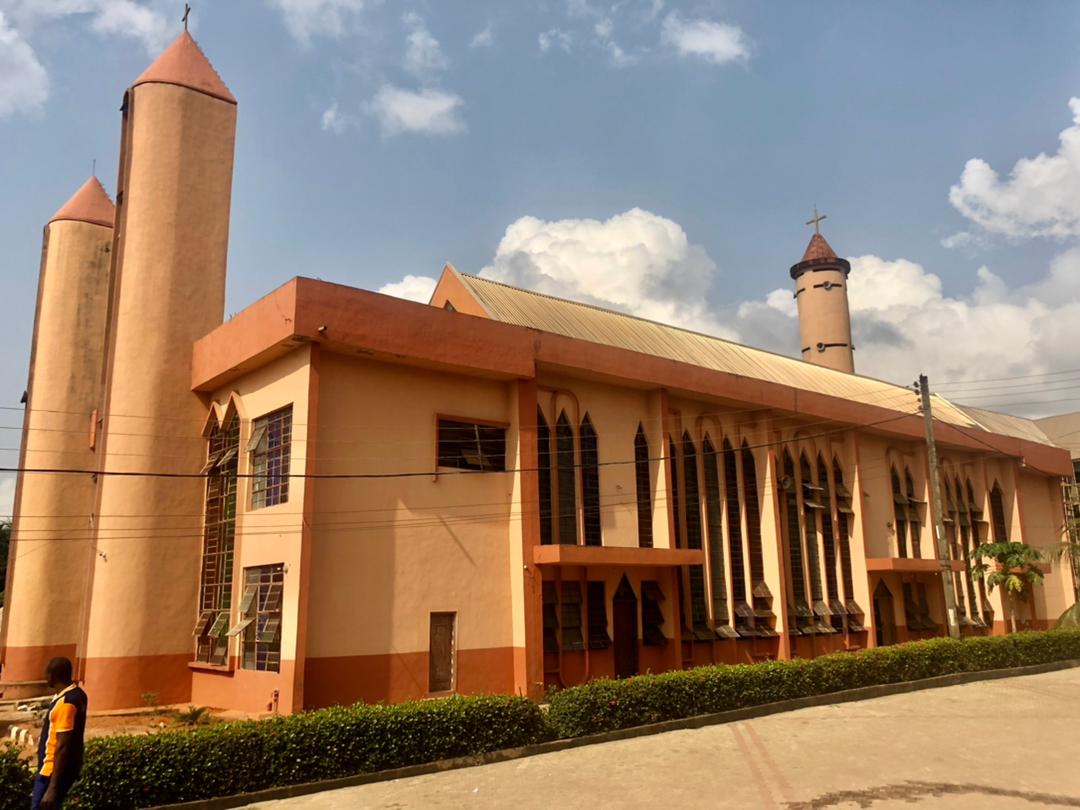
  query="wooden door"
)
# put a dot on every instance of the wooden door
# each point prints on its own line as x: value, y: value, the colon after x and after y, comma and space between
x: 884, y: 616
x: 441, y: 653
x: 625, y: 630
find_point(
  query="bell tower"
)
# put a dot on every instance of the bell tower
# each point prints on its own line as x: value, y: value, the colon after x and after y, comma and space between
x: 821, y: 293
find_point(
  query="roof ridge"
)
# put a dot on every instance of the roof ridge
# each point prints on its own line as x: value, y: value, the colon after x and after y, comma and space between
x: 185, y: 64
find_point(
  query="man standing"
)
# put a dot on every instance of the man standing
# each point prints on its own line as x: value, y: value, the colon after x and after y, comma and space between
x: 60, y: 752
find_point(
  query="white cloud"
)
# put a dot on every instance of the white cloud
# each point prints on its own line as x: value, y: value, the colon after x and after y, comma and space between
x: 484, y: 38
x: 554, y: 38
x: 333, y: 120
x: 134, y: 20
x: 714, y: 42
x: 24, y: 84
x: 411, y: 288
x: 423, y: 54
x: 604, y: 31
x: 1041, y: 196
x: 7, y: 497
x: 636, y: 262
x: 306, y: 19
x: 433, y: 112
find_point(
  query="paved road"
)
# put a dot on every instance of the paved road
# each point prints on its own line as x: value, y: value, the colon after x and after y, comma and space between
x: 1011, y: 743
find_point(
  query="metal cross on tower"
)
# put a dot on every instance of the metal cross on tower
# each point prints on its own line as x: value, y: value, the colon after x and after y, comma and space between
x: 816, y: 220
x: 187, y: 13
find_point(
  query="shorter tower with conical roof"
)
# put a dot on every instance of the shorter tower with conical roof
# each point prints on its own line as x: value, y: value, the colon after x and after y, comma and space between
x: 53, y: 521
x: 821, y: 279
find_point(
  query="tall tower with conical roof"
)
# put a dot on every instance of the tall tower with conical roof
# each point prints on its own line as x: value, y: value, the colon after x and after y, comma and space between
x: 821, y: 292
x: 173, y: 200
x: 53, y: 520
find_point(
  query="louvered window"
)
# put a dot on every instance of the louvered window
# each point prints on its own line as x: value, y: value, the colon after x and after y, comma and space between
x: 828, y: 541
x: 762, y: 598
x: 472, y: 446
x: 598, y: 621
x: 570, y: 616
x: 844, y: 511
x: 261, y: 604
x: 270, y: 446
x: 652, y: 617
x: 567, y: 480
x: 714, y: 521
x: 673, y: 465
x: 914, y: 522
x: 643, y: 483
x: 744, y: 614
x: 997, y: 513
x: 800, y: 609
x: 543, y: 469
x: 590, y: 482
x: 900, y: 507
x: 811, y: 507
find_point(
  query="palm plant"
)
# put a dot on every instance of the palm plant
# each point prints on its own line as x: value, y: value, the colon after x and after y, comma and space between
x: 1012, y: 566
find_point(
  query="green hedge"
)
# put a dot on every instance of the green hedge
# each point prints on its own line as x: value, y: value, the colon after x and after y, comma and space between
x: 16, y: 780
x: 229, y: 758
x: 607, y: 705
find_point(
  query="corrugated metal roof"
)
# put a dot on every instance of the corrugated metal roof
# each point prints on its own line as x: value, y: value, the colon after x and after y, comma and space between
x: 596, y: 325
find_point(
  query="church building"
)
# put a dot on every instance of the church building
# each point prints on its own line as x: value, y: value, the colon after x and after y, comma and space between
x: 336, y: 495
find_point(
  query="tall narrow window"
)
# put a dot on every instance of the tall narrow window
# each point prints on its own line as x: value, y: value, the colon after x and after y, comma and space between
x: 811, y: 506
x: 828, y: 541
x: 954, y: 552
x: 590, y: 482
x: 260, y: 617
x: 714, y: 520
x: 643, y: 482
x: 598, y: 621
x: 270, y: 447
x: 699, y: 615
x: 551, y: 617
x: 844, y: 512
x: 219, y: 536
x: 964, y: 528
x: 564, y: 451
x: 900, y: 504
x: 997, y: 514
x: 652, y: 617
x: 543, y: 469
x: 441, y: 652
x: 570, y: 616
x: 673, y: 465
x: 744, y: 614
x: 914, y: 524
x: 763, y: 615
x: 976, y: 541
x: 801, y: 610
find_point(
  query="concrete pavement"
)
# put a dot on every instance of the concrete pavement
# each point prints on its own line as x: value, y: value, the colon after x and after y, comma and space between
x: 989, y: 745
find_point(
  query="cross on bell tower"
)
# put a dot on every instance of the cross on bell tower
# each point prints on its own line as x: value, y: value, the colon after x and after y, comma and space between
x: 187, y: 13
x: 816, y: 220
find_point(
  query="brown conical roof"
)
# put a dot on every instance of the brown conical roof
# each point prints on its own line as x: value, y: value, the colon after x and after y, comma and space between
x: 818, y: 249
x: 89, y: 204
x: 184, y: 64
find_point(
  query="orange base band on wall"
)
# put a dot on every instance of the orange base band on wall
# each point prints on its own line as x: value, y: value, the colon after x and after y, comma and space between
x: 125, y: 683
x: 404, y: 676
x: 28, y: 663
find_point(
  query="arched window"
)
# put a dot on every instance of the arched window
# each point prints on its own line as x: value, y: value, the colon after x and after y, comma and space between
x: 762, y: 596
x: 976, y: 541
x: 744, y: 614
x: 543, y: 468
x: 800, y: 609
x: 997, y: 513
x: 955, y: 553
x: 714, y: 520
x: 219, y: 541
x: 699, y: 617
x: 567, y: 480
x: 914, y: 525
x: 964, y: 530
x: 828, y: 542
x: 811, y: 507
x: 643, y: 482
x: 844, y: 513
x: 590, y: 482
x: 676, y: 499
x: 900, y: 503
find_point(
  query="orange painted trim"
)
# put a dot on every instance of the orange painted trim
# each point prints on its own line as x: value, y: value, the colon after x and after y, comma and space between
x: 911, y: 565
x: 28, y: 663
x: 628, y: 556
x: 395, y: 677
x: 404, y: 331
x: 120, y: 682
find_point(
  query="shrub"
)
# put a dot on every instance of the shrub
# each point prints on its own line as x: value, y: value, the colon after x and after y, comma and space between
x: 229, y: 758
x: 608, y: 705
x: 16, y: 779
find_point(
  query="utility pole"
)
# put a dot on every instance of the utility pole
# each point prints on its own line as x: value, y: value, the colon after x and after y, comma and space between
x: 923, y: 387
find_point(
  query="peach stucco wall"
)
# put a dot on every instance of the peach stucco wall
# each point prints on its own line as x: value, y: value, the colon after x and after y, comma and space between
x: 389, y: 552
x: 52, y: 519
x: 265, y: 536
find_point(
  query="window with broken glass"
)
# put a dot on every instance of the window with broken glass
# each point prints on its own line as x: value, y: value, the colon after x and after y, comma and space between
x: 219, y: 536
x: 471, y: 446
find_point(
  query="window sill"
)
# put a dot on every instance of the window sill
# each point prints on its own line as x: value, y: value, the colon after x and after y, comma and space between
x: 219, y: 669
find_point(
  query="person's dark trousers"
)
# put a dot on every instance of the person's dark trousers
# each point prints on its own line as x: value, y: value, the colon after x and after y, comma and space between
x: 41, y: 784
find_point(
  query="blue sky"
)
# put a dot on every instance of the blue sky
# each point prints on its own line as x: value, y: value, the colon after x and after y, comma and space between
x: 657, y: 157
